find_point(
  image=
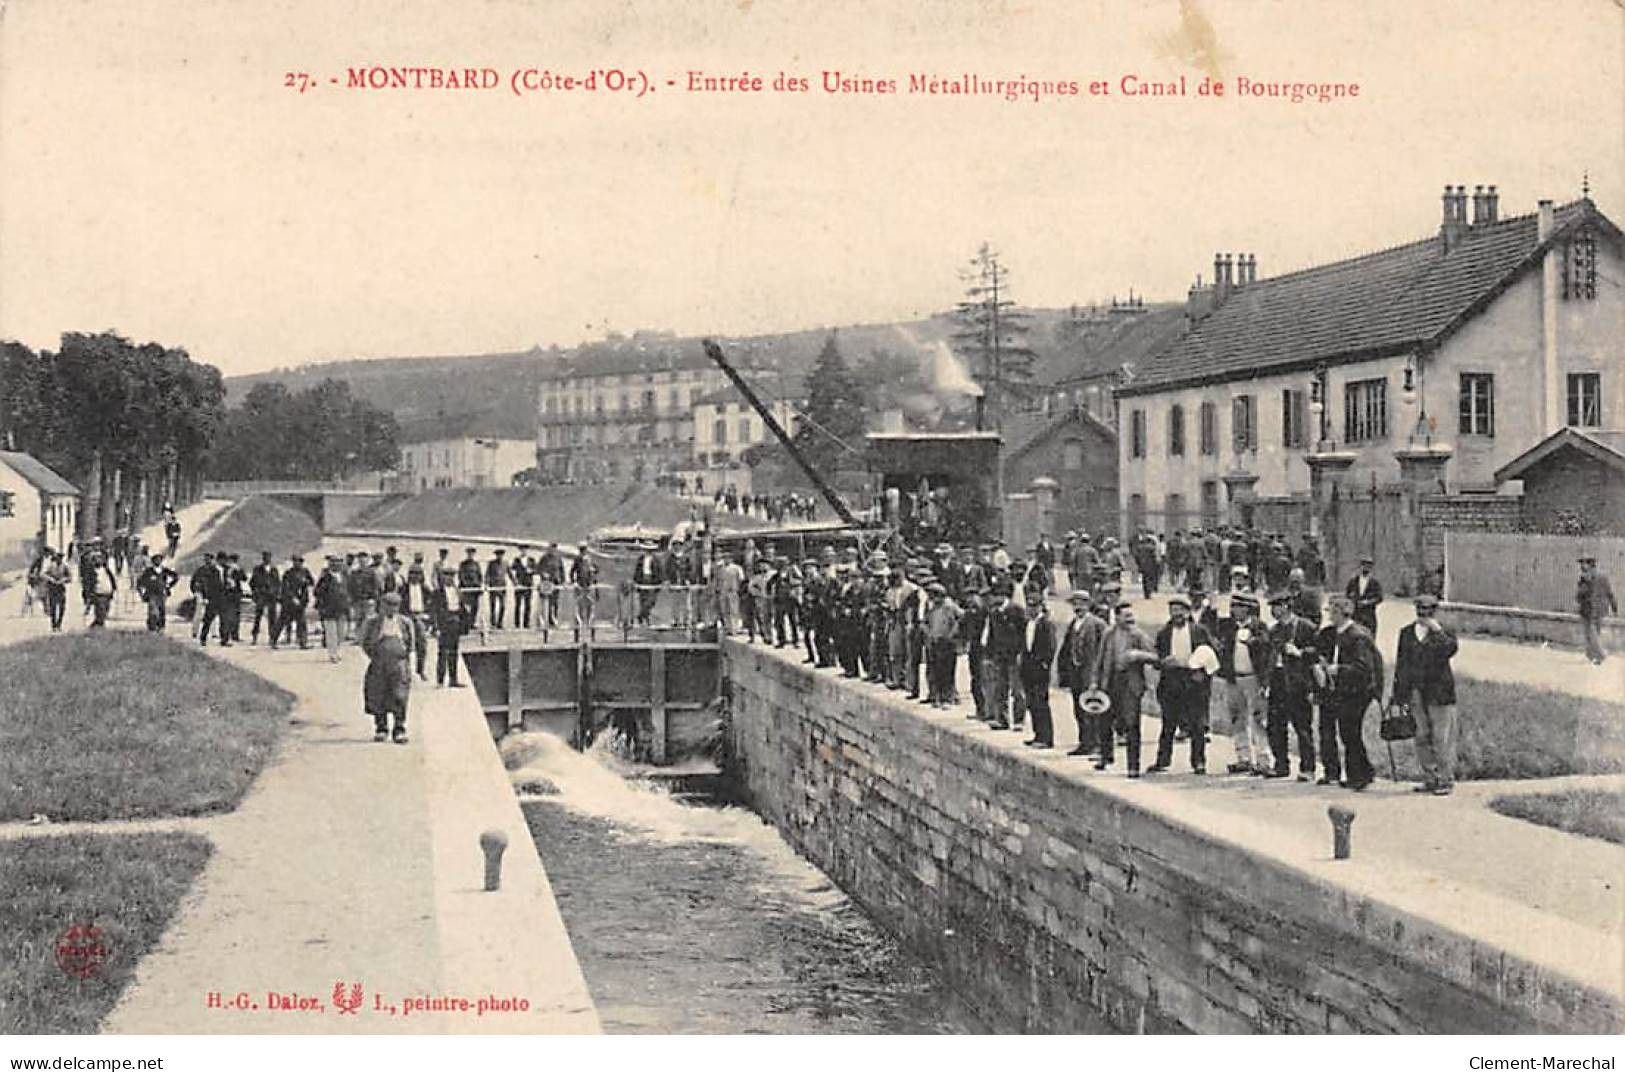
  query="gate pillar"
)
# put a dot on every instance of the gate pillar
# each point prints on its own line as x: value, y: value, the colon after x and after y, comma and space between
x: 1326, y: 471
x: 1239, y: 486
x: 1421, y: 472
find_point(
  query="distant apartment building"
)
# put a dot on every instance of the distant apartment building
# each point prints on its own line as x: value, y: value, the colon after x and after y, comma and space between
x: 468, y: 451
x: 1453, y: 354
x: 725, y: 426
x: 626, y: 409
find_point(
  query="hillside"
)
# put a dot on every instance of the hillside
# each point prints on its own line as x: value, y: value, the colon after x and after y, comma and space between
x: 503, y: 386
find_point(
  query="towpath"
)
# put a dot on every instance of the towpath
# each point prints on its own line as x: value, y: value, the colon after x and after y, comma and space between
x: 353, y: 863
x: 348, y: 863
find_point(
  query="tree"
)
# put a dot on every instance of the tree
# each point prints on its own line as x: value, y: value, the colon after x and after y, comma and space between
x: 322, y: 433
x: 129, y: 424
x: 991, y: 334
x: 831, y: 429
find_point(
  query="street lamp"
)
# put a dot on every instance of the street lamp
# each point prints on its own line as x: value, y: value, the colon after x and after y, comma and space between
x: 1317, y: 407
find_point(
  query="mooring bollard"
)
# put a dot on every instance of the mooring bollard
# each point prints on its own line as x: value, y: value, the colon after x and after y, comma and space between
x: 493, y: 843
x: 1342, y: 819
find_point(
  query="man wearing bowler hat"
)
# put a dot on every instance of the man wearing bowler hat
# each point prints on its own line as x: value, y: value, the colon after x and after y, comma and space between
x: 1125, y: 652
x: 1425, y: 686
x: 1291, y: 687
x: 1077, y: 665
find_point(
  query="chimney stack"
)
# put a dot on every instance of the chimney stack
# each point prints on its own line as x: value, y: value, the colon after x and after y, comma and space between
x: 1492, y: 205
x: 1478, y: 205
x: 1454, y: 218
x: 1545, y: 221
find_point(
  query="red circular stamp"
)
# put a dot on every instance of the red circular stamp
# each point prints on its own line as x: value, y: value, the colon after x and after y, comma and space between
x: 80, y: 952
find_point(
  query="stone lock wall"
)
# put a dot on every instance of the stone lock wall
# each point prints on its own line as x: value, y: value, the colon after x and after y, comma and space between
x: 1054, y: 907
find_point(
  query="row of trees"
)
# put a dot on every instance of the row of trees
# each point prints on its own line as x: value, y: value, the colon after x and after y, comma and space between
x: 321, y: 433
x: 127, y: 423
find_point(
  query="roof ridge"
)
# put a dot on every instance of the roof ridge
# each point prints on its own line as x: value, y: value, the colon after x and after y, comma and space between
x: 1475, y: 229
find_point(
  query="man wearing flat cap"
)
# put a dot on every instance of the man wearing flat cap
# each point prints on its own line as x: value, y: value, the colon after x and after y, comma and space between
x: 941, y: 639
x: 1595, y: 597
x: 1183, y: 688
x: 1365, y: 592
x: 1425, y: 686
x: 1291, y: 686
x: 388, y: 638
x: 470, y: 584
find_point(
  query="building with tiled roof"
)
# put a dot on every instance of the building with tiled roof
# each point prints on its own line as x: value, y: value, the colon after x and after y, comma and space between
x: 1453, y: 353
x: 1573, y: 477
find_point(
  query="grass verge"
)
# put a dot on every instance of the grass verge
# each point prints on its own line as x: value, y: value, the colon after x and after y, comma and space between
x: 256, y: 524
x: 1598, y: 813
x: 125, y: 886
x: 117, y: 725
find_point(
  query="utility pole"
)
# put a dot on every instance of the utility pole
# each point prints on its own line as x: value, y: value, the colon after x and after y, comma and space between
x: 998, y: 386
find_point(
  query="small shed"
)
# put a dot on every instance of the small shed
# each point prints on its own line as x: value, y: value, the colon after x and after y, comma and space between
x: 1574, y: 474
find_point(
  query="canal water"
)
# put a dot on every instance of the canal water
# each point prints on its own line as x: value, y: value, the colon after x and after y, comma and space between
x: 691, y: 915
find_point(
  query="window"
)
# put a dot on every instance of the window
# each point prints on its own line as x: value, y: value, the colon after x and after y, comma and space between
x: 1136, y: 436
x: 8, y: 504
x: 719, y: 432
x: 1209, y: 425
x: 1244, y: 423
x: 1176, y: 430
x: 1477, y: 404
x: 1294, y: 419
x: 1136, y: 510
x: 744, y: 431
x: 1585, y: 399
x: 1210, y: 503
x: 1580, y: 265
x: 1072, y: 454
x: 1175, y: 511
x: 648, y: 400
x: 1365, y: 411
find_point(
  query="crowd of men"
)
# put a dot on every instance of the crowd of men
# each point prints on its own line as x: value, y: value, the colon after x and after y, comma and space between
x: 788, y: 506
x: 1290, y: 667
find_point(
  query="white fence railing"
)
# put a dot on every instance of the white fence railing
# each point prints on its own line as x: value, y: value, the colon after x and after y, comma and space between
x: 1529, y: 570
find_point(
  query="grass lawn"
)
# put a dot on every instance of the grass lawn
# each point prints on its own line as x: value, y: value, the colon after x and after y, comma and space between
x: 126, y: 887
x: 1598, y: 813
x: 1515, y: 731
x: 254, y: 525
x: 124, y: 725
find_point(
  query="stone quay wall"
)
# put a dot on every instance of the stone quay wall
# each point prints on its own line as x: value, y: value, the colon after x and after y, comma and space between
x: 1053, y: 906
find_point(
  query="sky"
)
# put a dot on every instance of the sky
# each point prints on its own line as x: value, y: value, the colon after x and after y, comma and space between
x: 158, y: 178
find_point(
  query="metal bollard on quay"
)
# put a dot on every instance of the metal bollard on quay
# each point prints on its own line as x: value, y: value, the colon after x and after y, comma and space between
x: 1342, y: 819
x: 493, y: 843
